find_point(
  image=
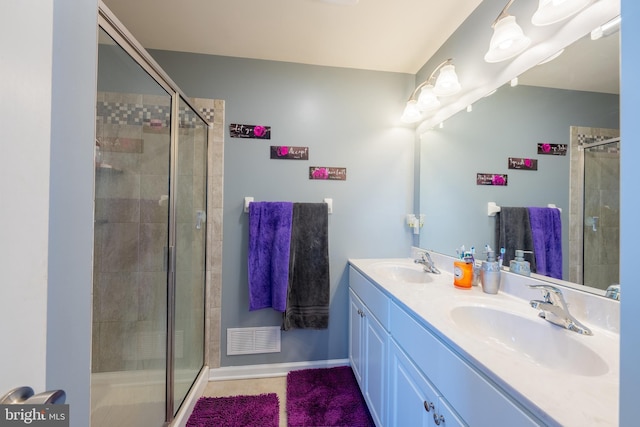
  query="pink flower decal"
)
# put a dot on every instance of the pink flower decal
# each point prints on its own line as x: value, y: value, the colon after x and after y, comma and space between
x: 320, y: 173
x: 283, y: 151
x: 259, y: 131
x: 528, y: 163
x: 546, y: 147
x: 497, y: 180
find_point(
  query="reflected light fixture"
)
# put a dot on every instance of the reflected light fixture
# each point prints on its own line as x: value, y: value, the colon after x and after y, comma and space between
x: 552, y: 57
x: 446, y: 84
x: 552, y: 11
x: 606, y: 29
x: 508, y: 39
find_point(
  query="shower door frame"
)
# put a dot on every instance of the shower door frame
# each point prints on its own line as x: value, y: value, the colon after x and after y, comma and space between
x: 108, y: 22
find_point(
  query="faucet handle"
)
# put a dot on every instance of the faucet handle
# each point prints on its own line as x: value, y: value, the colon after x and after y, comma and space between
x: 547, y: 291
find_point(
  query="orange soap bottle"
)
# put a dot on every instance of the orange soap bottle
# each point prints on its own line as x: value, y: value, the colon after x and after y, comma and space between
x: 463, y: 274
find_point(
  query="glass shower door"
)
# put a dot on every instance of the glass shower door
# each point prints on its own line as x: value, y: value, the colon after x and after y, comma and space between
x: 601, y: 238
x: 190, y: 241
x: 132, y: 169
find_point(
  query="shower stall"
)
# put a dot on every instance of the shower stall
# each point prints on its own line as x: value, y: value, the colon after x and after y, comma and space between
x: 594, y: 211
x: 149, y: 238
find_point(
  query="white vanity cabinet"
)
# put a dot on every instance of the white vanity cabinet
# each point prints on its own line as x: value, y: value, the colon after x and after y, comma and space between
x: 476, y: 400
x: 413, y: 400
x: 368, y: 342
x: 411, y: 376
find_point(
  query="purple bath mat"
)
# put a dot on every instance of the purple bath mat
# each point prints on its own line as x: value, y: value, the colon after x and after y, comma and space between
x: 325, y: 397
x: 238, y: 411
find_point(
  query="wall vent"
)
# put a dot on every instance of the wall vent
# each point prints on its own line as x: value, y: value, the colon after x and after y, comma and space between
x: 265, y: 339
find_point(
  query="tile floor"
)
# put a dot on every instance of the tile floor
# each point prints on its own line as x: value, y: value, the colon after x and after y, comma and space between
x: 252, y: 386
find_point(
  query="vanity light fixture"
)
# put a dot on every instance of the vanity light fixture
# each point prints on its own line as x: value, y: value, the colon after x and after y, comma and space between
x: 606, y: 29
x: 446, y: 84
x: 508, y: 39
x: 552, y: 11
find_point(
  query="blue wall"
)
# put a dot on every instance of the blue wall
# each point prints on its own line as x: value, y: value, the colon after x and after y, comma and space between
x: 348, y: 118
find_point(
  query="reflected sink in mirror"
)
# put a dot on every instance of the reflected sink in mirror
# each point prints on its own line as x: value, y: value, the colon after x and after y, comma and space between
x: 402, y: 272
x: 532, y: 338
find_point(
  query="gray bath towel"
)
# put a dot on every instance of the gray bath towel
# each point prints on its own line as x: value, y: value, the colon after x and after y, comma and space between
x: 513, y: 231
x: 308, y: 293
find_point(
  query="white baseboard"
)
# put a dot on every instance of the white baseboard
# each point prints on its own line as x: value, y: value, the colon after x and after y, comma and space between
x: 190, y: 400
x: 269, y: 370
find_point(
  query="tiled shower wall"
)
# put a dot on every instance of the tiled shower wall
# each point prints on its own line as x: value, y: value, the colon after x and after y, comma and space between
x: 213, y: 111
x: 130, y: 232
x: 600, y: 261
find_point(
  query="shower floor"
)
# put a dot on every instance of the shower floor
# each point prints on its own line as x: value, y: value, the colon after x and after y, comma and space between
x: 130, y: 398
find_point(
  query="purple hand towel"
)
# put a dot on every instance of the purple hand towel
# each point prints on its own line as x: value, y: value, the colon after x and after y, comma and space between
x: 268, y: 260
x: 546, y: 230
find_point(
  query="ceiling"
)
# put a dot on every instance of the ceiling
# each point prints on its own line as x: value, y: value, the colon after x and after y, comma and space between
x: 382, y: 35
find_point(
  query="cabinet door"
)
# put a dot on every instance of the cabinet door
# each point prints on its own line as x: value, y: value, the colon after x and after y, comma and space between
x: 375, y: 367
x: 356, y: 336
x: 412, y: 400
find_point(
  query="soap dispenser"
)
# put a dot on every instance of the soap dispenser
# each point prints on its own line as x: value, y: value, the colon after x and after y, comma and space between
x: 490, y: 273
x: 519, y: 265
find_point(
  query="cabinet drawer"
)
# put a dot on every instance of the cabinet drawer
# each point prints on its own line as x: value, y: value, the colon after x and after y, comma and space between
x: 375, y: 300
x: 474, y: 398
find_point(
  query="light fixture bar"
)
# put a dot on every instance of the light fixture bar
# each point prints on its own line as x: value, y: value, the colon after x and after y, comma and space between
x: 503, y: 13
x: 606, y: 29
x: 445, y: 85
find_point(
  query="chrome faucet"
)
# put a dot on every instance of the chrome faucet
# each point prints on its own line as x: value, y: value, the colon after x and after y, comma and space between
x: 553, y: 308
x: 427, y: 262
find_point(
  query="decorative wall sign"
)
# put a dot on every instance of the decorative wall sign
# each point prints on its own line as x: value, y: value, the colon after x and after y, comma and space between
x: 523, y: 163
x: 553, y: 149
x: 326, y: 173
x: 250, y: 131
x: 491, y: 179
x: 289, y: 153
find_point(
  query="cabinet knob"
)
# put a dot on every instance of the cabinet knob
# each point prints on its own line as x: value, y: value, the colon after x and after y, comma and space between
x: 438, y: 419
x: 428, y: 406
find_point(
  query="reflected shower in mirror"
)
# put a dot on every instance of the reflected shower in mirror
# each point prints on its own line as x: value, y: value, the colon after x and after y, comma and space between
x: 569, y: 101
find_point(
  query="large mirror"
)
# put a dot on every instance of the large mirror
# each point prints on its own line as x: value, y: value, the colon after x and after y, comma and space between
x: 571, y: 101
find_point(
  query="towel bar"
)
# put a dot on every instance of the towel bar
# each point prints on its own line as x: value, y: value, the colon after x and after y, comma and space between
x: 493, y: 208
x: 248, y: 200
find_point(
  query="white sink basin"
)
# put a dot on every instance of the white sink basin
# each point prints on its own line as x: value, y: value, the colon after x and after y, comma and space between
x: 402, y: 272
x: 532, y: 338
